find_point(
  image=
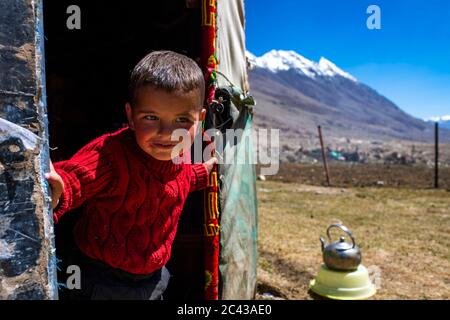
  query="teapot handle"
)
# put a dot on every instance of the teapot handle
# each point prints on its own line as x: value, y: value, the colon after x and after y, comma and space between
x: 343, y: 228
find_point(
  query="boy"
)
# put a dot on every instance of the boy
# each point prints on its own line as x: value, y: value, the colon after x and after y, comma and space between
x: 132, y: 188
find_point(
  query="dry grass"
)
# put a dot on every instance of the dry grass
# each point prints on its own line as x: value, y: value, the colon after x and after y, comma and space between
x: 404, y: 232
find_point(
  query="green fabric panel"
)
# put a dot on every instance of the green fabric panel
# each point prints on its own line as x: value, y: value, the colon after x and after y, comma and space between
x: 239, y: 225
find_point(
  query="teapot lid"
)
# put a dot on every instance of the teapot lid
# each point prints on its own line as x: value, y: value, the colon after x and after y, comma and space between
x: 342, y: 245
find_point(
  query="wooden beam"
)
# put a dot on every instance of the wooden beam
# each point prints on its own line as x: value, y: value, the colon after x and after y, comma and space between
x: 27, y: 269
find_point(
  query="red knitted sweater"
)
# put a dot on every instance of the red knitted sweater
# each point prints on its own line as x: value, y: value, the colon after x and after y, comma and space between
x: 132, y: 201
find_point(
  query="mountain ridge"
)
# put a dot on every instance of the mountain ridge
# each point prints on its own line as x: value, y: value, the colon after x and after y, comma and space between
x: 298, y: 94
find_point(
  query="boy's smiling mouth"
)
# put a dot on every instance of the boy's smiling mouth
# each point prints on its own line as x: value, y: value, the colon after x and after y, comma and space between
x: 163, y: 145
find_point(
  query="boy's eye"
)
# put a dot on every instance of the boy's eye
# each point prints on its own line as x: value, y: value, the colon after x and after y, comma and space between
x: 183, y: 119
x: 150, y: 117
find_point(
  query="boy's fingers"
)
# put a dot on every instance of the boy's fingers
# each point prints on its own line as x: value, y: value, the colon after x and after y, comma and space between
x: 51, y: 177
x: 52, y: 168
x: 57, y: 186
x: 212, y: 160
x: 56, y: 183
x: 55, y: 202
x: 210, y: 164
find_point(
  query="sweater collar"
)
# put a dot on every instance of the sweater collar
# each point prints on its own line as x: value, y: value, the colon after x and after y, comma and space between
x: 164, y: 169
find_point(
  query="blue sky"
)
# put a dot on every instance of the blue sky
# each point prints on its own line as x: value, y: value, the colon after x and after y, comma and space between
x: 407, y: 60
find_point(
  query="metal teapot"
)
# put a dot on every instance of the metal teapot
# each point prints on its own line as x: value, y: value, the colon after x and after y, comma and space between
x: 341, y: 255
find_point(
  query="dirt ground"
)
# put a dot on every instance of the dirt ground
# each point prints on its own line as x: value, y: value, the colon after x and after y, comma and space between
x: 404, y: 235
x: 374, y: 175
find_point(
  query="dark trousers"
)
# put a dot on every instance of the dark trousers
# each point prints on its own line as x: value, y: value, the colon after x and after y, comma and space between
x: 100, y: 281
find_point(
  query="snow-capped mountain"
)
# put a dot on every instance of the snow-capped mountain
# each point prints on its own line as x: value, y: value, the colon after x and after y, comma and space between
x: 296, y: 95
x: 280, y: 60
x: 444, y: 121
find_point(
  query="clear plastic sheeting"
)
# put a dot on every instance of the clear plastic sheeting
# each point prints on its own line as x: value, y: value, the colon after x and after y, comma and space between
x: 239, y: 224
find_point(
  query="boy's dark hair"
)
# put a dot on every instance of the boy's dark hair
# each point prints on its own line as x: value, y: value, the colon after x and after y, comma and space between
x: 166, y: 70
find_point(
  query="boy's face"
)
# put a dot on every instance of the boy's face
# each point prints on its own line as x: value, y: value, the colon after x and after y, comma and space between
x: 157, y: 113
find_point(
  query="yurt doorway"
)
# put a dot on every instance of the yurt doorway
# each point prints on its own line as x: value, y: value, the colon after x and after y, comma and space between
x: 87, y: 71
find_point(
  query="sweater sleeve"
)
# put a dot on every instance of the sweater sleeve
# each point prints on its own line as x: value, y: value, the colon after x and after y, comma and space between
x: 199, y: 177
x: 86, y: 174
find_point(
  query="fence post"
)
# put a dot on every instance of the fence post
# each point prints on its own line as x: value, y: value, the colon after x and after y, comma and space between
x: 436, y: 155
x: 325, y: 164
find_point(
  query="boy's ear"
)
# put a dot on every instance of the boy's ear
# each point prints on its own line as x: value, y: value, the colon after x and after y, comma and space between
x: 129, y: 112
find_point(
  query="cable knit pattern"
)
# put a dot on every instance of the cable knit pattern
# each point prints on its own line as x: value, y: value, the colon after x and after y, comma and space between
x: 132, y: 201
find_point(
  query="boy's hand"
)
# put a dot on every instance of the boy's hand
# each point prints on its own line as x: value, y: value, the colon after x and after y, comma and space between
x: 209, y: 165
x: 56, y: 183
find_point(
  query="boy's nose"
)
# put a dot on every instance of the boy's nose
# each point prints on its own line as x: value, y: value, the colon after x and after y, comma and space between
x: 165, y: 130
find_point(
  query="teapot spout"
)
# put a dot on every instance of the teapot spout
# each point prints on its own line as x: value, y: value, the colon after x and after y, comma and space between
x: 323, y: 243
